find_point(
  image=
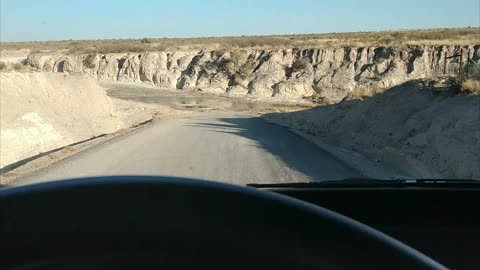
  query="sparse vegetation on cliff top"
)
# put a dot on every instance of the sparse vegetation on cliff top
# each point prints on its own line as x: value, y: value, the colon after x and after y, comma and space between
x: 463, y: 36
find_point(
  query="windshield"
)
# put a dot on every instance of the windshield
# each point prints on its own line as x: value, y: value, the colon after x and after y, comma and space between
x: 241, y: 92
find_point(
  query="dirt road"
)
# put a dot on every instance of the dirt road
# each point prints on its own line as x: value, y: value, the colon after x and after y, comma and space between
x: 231, y: 147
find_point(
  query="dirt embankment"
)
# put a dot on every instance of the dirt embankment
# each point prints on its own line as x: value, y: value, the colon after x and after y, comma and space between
x: 43, y: 111
x: 13, y: 56
x: 417, y: 127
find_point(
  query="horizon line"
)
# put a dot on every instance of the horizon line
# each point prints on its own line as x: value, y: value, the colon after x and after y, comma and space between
x: 260, y: 35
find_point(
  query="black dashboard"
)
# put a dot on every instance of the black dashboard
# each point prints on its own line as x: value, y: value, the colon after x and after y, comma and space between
x: 144, y: 222
x: 440, y: 220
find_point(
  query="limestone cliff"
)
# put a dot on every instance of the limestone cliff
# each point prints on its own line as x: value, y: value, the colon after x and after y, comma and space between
x: 331, y: 74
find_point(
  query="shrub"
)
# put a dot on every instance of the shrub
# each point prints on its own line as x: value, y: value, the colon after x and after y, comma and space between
x: 471, y: 86
x: 18, y: 66
x: 120, y: 48
x: 388, y: 39
x: 472, y: 71
x: 233, y: 64
x: 237, y: 57
x: 246, y: 69
x: 89, y: 61
x: 469, y: 82
x: 3, y: 66
x: 145, y: 40
x: 300, y: 64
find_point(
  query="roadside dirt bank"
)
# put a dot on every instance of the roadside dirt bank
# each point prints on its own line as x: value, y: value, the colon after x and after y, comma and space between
x: 420, y: 128
x: 44, y: 111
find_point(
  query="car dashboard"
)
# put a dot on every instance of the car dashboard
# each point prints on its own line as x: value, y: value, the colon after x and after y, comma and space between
x: 439, y: 219
x: 125, y: 222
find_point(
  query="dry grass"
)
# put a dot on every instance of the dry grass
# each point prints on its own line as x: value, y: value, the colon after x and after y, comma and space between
x: 89, y: 61
x: 18, y: 66
x: 463, y: 36
x: 469, y: 82
x: 471, y: 87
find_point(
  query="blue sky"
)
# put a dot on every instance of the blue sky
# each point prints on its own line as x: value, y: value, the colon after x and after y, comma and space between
x: 27, y: 20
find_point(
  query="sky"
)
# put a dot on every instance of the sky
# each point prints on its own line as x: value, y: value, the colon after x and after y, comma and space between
x: 41, y: 20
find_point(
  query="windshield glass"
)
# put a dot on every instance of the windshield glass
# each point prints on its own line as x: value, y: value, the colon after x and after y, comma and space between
x: 241, y: 92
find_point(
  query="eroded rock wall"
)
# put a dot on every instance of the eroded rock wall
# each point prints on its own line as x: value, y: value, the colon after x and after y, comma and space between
x: 331, y: 74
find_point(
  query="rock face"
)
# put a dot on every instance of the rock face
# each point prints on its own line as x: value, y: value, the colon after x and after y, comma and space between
x: 330, y: 74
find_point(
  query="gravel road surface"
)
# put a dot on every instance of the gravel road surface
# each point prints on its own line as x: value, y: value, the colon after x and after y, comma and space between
x: 231, y: 147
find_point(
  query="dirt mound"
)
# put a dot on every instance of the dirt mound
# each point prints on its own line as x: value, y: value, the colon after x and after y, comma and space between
x: 414, y: 127
x: 43, y: 111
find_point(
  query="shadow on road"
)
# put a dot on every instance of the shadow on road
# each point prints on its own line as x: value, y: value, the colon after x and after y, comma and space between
x: 293, y: 150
